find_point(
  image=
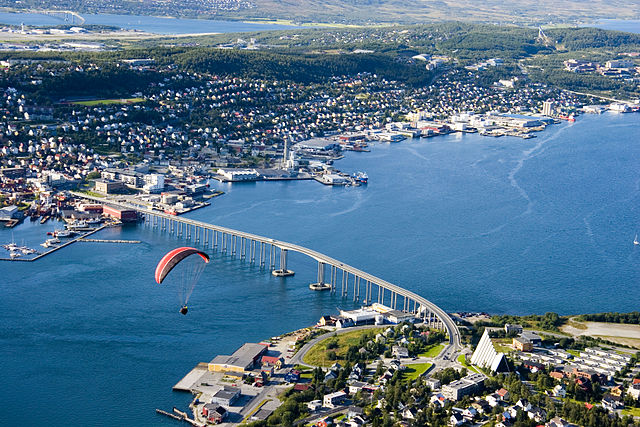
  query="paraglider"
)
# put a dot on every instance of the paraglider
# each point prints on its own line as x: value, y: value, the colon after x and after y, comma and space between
x: 182, y: 268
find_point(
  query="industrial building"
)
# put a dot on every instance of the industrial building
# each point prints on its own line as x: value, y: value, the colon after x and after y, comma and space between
x: 242, y: 360
x: 226, y: 396
x: 239, y: 174
x: 124, y: 215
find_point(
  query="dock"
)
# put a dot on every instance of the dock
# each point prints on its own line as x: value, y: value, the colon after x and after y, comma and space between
x: 108, y: 241
x: 179, y: 416
x: 53, y: 249
x: 192, y: 378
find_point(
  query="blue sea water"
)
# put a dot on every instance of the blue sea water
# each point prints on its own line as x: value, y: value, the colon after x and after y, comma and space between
x: 503, y: 225
x: 150, y: 24
x: 626, y: 25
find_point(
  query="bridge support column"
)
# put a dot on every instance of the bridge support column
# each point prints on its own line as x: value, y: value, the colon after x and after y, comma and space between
x: 262, y: 255
x: 206, y: 237
x: 252, y: 252
x: 282, y: 271
x: 224, y: 244
x: 272, y: 257
x: 234, y: 243
x: 320, y: 285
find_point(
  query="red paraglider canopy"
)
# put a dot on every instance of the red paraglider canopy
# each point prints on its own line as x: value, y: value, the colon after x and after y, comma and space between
x: 172, y: 259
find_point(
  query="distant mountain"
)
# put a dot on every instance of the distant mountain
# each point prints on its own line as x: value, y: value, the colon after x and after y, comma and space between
x: 404, y: 11
x: 532, y: 12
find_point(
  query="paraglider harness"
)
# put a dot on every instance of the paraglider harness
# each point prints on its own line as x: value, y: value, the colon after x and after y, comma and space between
x: 184, y: 309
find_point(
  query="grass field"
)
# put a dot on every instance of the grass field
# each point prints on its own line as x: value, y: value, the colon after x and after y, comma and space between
x: 463, y: 361
x: 95, y: 102
x: 503, y: 345
x: 631, y: 411
x: 433, y: 351
x: 318, y: 355
x: 414, y: 371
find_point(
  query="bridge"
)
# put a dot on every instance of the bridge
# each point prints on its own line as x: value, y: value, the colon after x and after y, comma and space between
x: 333, y: 275
x: 66, y: 15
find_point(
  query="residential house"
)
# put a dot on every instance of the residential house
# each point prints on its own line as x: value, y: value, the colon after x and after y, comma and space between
x: 214, y: 412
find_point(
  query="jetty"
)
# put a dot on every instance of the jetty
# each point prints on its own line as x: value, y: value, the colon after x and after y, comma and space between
x: 55, y: 248
x: 82, y: 239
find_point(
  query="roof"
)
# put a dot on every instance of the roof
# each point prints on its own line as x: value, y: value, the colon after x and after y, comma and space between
x: 227, y: 393
x: 242, y: 357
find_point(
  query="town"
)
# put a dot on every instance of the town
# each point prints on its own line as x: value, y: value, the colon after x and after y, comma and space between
x: 159, y: 146
x: 378, y: 366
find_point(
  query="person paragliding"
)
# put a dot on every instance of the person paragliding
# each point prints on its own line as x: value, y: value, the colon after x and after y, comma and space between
x: 182, y: 268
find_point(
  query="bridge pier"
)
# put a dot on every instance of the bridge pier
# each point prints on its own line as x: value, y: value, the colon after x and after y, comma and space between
x: 320, y: 285
x: 283, y: 271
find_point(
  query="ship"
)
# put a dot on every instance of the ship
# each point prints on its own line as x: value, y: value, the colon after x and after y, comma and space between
x: 635, y: 240
x: 361, y: 177
x: 63, y: 233
x: 570, y: 118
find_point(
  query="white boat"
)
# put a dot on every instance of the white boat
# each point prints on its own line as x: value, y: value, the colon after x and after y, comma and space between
x: 77, y: 224
x: 94, y: 221
x: 635, y: 240
x: 63, y: 233
x: 14, y: 255
x: 51, y: 242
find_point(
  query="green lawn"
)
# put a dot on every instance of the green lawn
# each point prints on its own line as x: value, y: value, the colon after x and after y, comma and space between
x: 502, y: 345
x: 574, y: 352
x: 414, y: 371
x: 463, y: 361
x: 95, y: 102
x: 631, y: 411
x: 433, y: 351
x: 318, y: 355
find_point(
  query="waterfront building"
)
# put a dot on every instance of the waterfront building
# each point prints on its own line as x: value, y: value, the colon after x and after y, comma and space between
x: 242, y: 360
x: 547, y: 108
x: 226, y: 396
x: 359, y: 316
x: 124, y: 215
x: 239, y: 174
x: 214, y: 412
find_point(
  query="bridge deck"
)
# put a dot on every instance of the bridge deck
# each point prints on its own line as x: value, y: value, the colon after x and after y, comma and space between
x: 452, y: 329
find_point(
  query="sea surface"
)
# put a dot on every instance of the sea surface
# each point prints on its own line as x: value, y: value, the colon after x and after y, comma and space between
x: 473, y: 223
x: 627, y: 25
x: 149, y: 24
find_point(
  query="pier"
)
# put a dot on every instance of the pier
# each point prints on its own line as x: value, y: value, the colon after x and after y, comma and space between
x: 55, y: 248
x: 266, y: 253
x: 109, y: 240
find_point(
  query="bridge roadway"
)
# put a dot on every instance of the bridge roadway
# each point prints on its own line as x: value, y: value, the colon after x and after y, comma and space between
x: 452, y: 329
x: 65, y: 14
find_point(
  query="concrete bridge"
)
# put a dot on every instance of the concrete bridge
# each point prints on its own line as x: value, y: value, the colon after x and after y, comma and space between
x: 66, y: 15
x: 333, y: 275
